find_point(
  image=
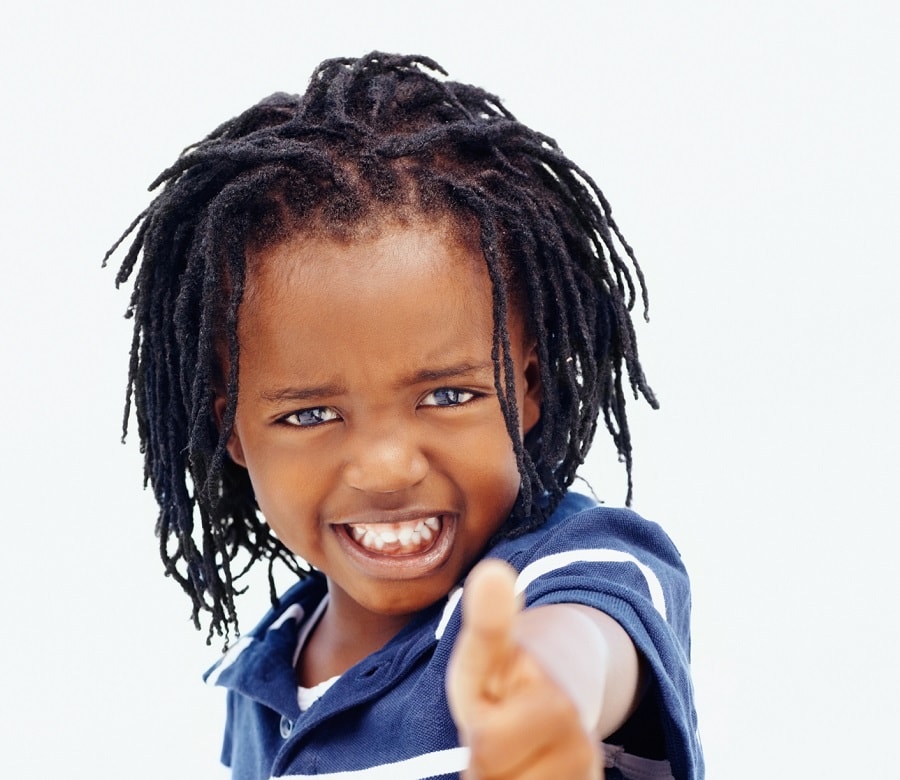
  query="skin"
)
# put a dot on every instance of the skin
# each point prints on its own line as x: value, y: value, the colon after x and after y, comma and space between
x: 367, y: 400
x: 533, y: 693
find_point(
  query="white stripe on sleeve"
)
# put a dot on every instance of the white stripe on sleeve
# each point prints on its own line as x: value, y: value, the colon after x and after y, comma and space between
x: 556, y: 561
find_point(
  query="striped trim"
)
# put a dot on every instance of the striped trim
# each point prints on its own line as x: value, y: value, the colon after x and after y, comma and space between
x: 556, y: 561
x: 229, y: 658
x: 452, y: 601
x: 440, y: 762
x: 293, y: 612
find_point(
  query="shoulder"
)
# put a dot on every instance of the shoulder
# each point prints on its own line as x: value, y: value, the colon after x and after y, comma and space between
x: 273, y: 638
x: 618, y: 562
x: 608, y: 547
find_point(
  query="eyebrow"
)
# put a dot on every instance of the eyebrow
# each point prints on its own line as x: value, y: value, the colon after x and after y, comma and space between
x: 302, y: 393
x: 420, y: 376
x: 437, y: 374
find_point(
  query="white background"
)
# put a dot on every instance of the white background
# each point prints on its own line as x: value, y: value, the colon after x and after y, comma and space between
x: 750, y: 153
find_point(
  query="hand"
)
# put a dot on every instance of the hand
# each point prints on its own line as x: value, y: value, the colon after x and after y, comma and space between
x: 517, y: 721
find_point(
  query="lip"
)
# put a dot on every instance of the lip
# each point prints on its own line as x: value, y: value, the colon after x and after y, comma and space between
x: 398, y: 566
x: 383, y: 516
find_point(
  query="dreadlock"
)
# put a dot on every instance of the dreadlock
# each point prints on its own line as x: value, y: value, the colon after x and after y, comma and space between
x: 382, y: 133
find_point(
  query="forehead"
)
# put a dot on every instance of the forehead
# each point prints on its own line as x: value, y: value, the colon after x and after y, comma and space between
x: 419, y: 289
x: 374, y: 260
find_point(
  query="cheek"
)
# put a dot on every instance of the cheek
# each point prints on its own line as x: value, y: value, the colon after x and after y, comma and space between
x: 290, y: 511
x: 285, y: 484
x: 491, y: 474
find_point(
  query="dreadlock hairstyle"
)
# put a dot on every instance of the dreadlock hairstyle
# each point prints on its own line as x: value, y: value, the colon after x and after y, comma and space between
x: 382, y: 134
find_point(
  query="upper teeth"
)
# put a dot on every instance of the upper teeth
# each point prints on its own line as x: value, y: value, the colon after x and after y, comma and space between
x: 377, y: 536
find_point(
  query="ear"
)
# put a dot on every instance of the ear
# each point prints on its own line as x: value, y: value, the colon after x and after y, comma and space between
x: 233, y: 445
x: 534, y: 391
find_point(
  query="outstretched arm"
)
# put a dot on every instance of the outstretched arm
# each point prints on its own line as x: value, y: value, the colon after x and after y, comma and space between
x: 533, y: 692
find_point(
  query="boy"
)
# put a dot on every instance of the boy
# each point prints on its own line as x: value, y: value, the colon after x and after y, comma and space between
x: 386, y: 316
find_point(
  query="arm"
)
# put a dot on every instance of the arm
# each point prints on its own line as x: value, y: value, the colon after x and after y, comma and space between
x: 533, y: 692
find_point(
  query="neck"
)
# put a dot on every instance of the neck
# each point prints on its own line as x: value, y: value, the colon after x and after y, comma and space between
x: 344, y: 636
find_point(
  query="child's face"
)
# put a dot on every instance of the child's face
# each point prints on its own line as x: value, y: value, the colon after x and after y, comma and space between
x: 367, y: 415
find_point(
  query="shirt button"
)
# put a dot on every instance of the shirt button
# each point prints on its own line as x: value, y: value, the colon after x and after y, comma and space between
x: 286, y: 727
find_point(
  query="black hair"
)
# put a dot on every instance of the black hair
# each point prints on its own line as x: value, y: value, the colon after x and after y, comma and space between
x: 382, y: 134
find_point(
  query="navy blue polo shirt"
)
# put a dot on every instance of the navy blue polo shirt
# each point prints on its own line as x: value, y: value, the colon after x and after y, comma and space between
x: 387, y: 717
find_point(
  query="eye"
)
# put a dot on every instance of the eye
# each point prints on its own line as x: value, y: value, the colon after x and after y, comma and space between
x: 309, y: 418
x: 448, y: 396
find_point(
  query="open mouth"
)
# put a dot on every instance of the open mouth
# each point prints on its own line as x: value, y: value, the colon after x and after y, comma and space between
x: 410, y: 537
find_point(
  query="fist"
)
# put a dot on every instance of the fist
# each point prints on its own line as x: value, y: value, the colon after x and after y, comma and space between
x: 517, y: 721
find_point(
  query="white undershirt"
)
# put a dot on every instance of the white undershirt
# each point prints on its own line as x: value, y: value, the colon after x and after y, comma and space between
x: 306, y: 697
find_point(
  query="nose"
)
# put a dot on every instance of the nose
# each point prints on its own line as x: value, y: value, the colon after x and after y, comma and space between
x: 385, y: 460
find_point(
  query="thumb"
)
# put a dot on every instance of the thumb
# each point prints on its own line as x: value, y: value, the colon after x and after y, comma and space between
x: 485, y: 645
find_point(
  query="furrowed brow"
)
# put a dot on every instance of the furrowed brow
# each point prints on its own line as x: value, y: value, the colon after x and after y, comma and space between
x: 298, y: 394
x: 450, y: 372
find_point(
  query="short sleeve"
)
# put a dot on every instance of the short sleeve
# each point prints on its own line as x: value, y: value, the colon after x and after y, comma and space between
x: 626, y: 566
